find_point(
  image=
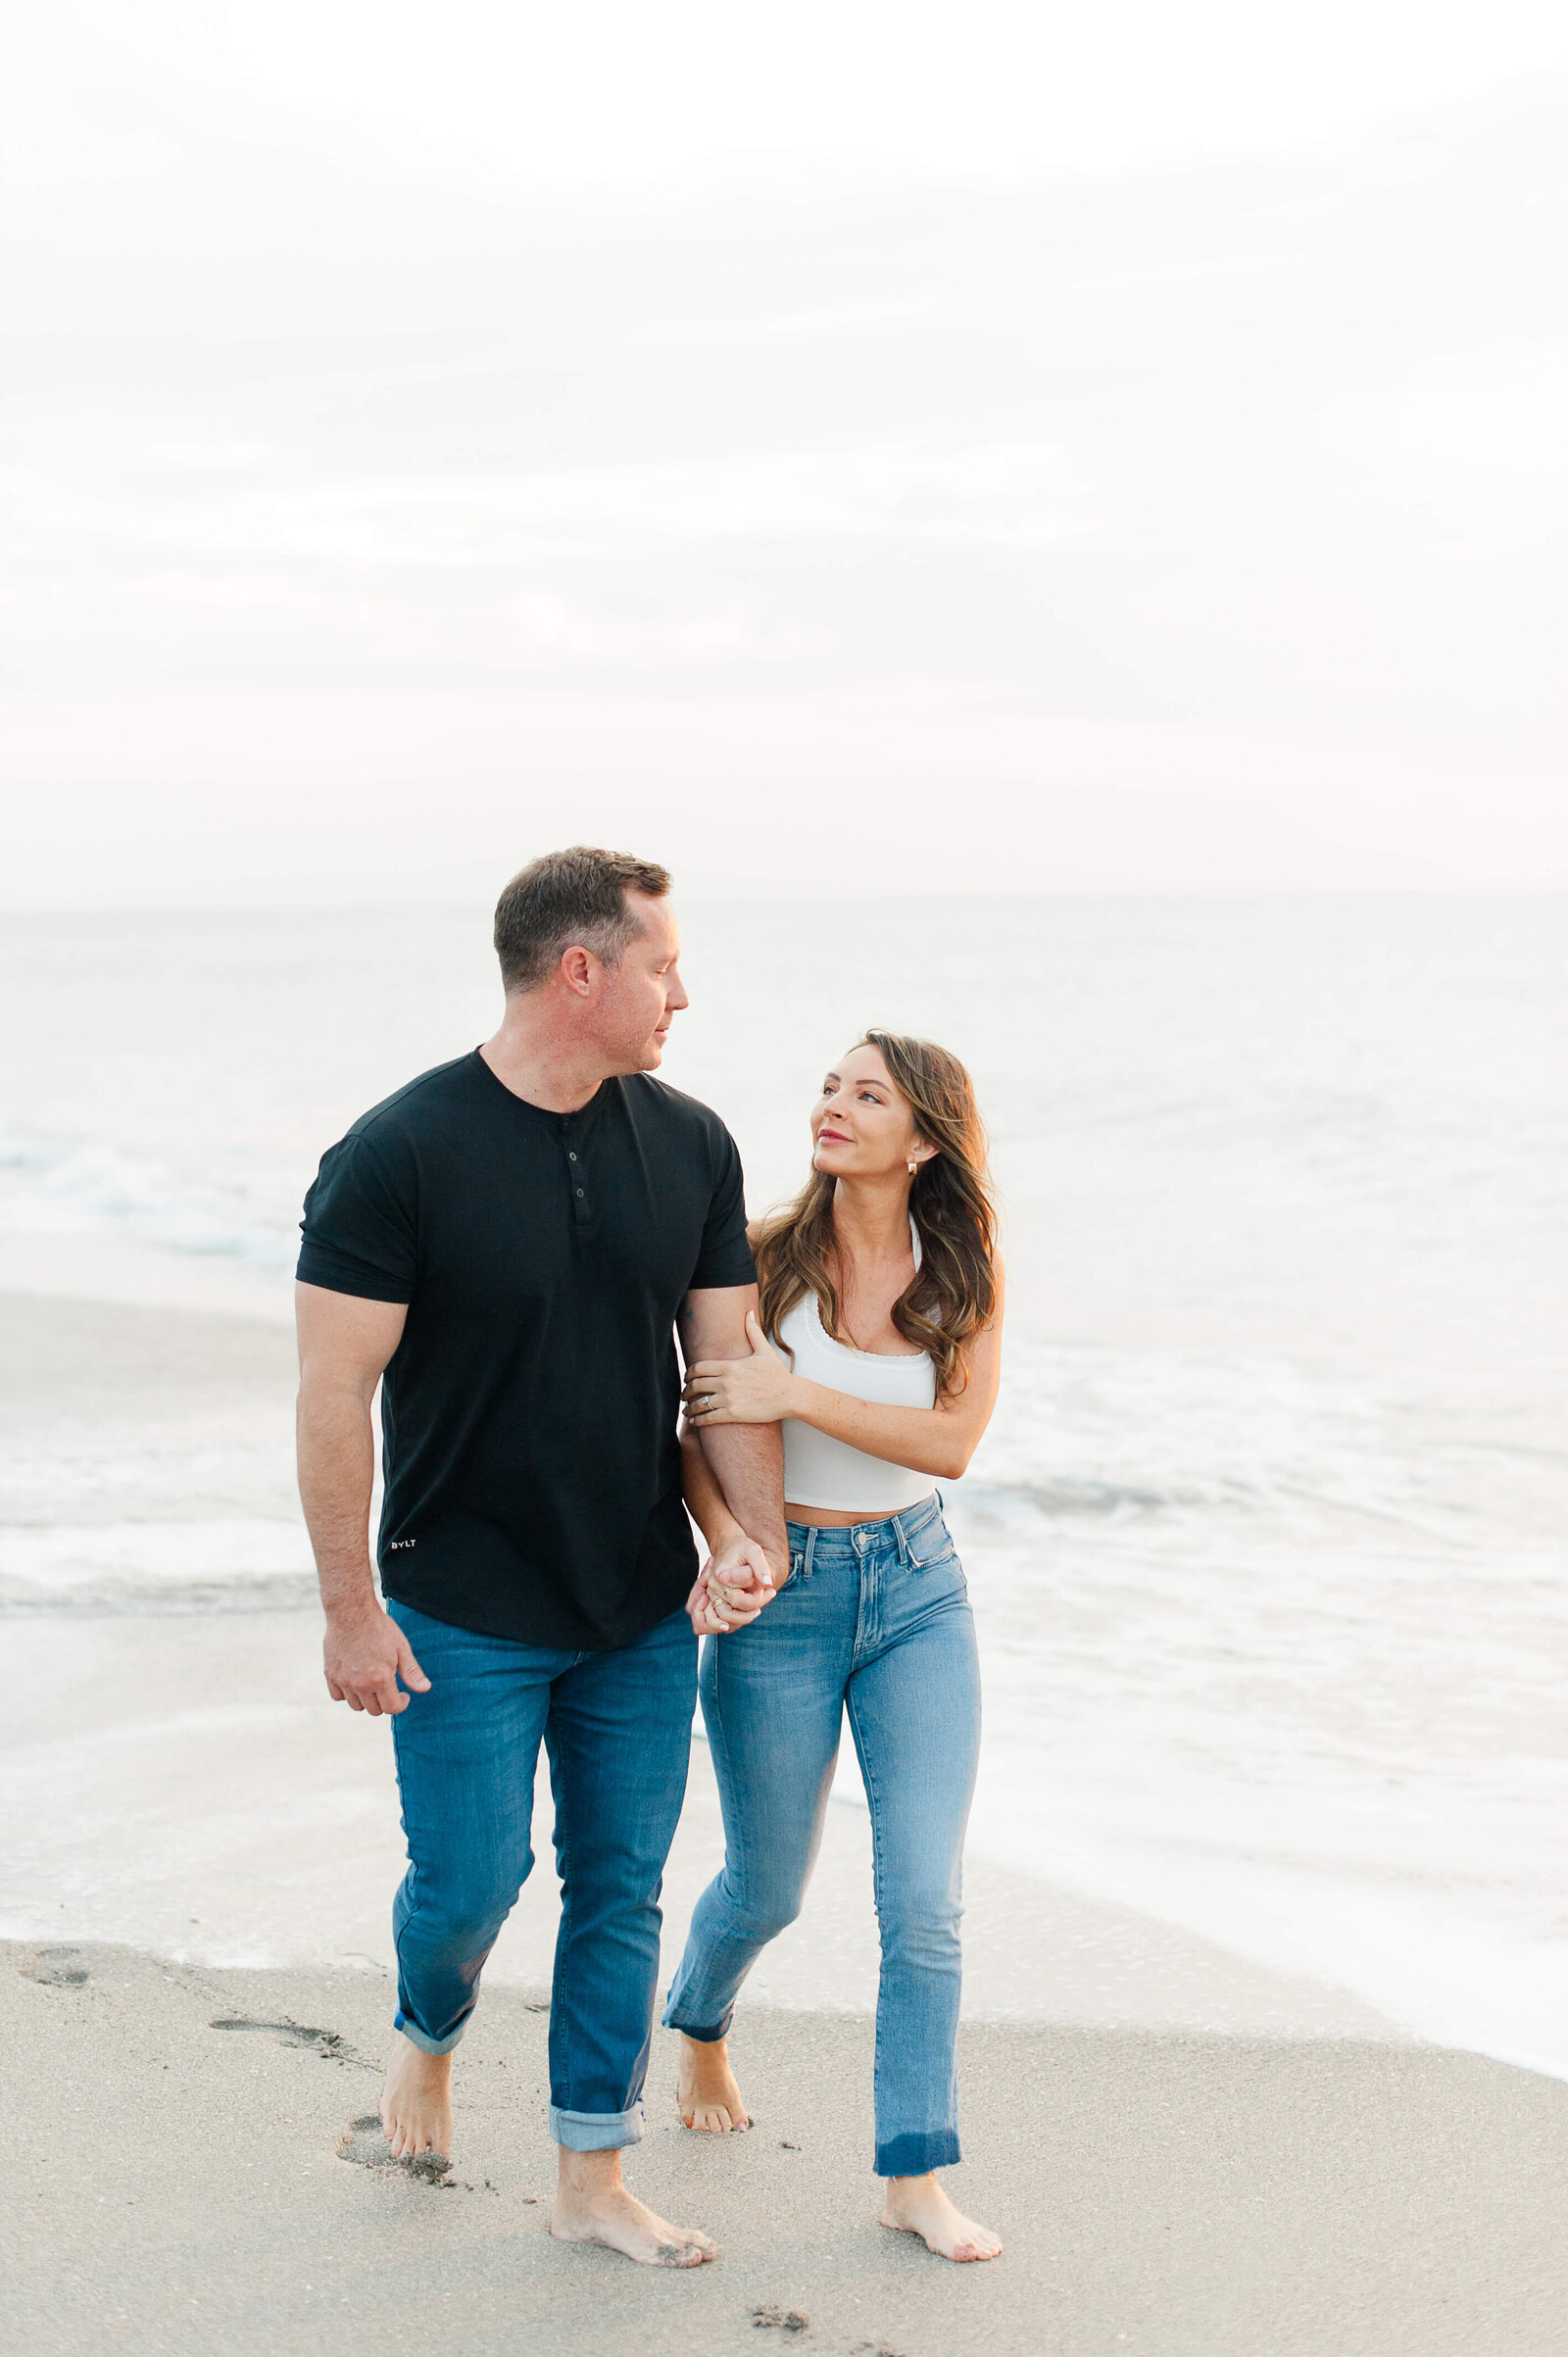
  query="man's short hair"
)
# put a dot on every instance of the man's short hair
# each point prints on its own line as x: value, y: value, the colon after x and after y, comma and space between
x: 566, y: 899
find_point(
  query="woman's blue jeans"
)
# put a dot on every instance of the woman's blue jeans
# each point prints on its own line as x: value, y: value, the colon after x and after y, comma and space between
x: 617, y: 1730
x: 873, y: 1618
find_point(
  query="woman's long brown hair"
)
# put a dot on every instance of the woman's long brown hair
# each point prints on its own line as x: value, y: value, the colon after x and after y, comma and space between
x: 953, y: 1290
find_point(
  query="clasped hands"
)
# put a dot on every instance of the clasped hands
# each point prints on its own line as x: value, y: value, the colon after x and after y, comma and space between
x: 736, y: 1582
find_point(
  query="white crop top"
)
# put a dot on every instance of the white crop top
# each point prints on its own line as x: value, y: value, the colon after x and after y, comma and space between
x: 819, y: 1471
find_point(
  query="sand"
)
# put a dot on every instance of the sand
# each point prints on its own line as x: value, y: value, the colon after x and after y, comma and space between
x: 1184, y: 2151
x: 179, y: 2183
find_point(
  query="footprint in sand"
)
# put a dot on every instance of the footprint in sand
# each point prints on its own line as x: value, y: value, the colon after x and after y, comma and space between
x: 52, y: 1966
x: 293, y: 2034
x: 365, y: 2142
x: 781, y: 2319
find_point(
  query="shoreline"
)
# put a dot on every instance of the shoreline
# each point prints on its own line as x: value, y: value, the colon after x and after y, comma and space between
x: 1186, y: 2195
x: 182, y: 1784
x: 181, y: 1781
x: 1187, y: 2153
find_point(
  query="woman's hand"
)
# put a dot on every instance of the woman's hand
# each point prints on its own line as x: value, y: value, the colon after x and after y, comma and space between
x: 734, y: 1585
x: 708, y: 1616
x: 739, y: 1390
x: 740, y: 1580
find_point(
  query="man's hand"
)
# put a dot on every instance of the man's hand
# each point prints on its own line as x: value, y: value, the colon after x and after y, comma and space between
x: 697, y: 1605
x: 741, y: 1580
x: 735, y: 1584
x: 707, y: 1618
x: 365, y: 1655
x: 739, y: 1390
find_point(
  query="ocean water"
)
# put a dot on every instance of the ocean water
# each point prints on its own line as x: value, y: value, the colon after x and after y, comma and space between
x: 1267, y: 1541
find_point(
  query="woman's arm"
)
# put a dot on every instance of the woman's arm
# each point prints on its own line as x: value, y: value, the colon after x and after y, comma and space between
x: 939, y: 1440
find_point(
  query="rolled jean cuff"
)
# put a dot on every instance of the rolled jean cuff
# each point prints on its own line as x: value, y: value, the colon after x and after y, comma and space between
x: 914, y: 2155
x: 418, y: 2038
x: 597, y: 2130
x: 704, y: 2037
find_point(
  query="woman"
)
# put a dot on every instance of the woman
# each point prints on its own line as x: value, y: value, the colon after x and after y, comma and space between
x: 881, y: 1281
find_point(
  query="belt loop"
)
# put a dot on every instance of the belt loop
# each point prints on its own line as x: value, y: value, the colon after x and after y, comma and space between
x: 905, y: 1559
x: 810, y: 1549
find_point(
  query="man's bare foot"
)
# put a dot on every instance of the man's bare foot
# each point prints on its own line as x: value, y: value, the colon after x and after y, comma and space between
x: 415, y: 2105
x: 917, y: 2205
x: 706, y: 2091
x: 592, y: 2205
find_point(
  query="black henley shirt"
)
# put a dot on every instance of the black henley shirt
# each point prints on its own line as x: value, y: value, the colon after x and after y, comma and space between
x: 530, y: 1411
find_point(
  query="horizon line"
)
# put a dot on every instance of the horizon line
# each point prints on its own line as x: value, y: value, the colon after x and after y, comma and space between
x: 709, y: 896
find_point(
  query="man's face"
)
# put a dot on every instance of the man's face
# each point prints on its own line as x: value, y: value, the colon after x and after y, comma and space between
x: 642, y: 996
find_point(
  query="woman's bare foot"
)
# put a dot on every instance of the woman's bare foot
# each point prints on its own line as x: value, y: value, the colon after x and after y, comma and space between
x: 592, y: 2205
x: 416, y: 2102
x: 917, y: 2205
x: 709, y: 2100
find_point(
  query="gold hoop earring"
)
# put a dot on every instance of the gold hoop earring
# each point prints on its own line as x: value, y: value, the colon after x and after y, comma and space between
x: 913, y: 1166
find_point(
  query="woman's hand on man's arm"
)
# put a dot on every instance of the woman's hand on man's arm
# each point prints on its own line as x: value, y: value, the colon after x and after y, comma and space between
x: 758, y: 1389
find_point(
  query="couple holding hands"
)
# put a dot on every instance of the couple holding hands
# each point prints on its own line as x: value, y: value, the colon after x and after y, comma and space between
x: 509, y: 1245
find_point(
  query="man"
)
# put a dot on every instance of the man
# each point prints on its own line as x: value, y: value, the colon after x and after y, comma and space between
x: 508, y: 1241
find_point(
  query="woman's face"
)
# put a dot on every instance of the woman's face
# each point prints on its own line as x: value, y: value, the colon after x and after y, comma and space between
x: 860, y: 1126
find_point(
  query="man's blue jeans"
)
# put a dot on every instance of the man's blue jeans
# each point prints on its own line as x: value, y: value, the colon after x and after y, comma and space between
x: 617, y: 1730
x: 876, y: 1618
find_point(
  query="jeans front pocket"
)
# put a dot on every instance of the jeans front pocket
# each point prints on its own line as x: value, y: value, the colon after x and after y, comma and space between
x: 931, y: 1548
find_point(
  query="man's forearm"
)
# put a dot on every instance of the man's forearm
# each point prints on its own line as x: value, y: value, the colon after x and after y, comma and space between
x: 337, y: 1473
x: 749, y: 1462
x: 705, y: 1499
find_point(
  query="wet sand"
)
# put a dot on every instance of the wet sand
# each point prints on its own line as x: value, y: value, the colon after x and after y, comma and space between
x: 177, y: 2184
x: 179, y: 1782
x: 172, y: 1776
x: 1185, y: 2153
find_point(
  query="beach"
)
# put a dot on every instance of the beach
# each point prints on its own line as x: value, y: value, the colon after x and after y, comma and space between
x: 1185, y: 2150
x: 1041, y: 527
x: 179, y: 2183
x: 1266, y: 2047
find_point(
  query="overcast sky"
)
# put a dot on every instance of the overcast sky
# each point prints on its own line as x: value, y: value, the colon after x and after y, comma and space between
x: 836, y: 449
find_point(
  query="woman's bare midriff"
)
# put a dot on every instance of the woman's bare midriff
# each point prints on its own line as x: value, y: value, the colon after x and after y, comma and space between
x: 830, y: 1518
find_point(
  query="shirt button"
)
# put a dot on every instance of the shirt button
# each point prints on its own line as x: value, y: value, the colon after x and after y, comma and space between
x: 572, y: 1157
x: 579, y: 1191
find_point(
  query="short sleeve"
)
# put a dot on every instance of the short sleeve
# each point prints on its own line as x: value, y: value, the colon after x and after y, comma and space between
x: 359, y: 1229
x: 725, y: 1257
